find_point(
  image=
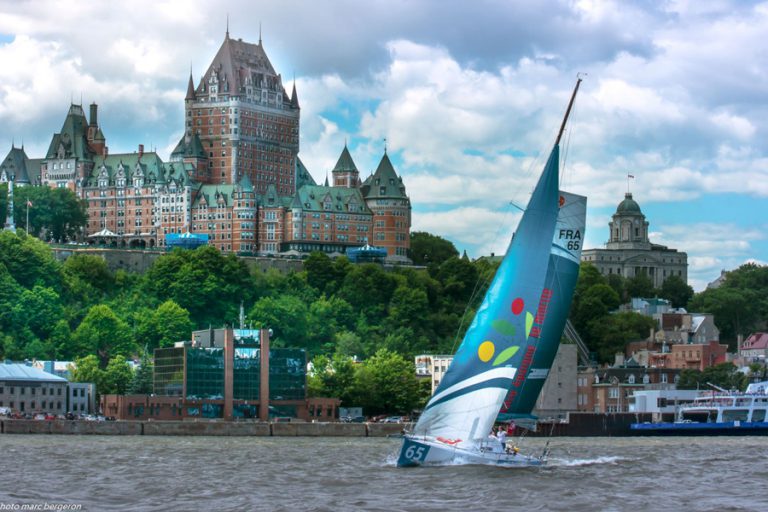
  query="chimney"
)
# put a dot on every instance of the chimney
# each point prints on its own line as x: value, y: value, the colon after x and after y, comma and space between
x: 141, y: 150
x: 94, y: 114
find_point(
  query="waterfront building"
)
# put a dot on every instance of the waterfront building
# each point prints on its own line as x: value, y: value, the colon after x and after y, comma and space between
x: 559, y: 395
x: 81, y: 398
x: 604, y: 390
x: 630, y: 253
x: 222, y: 374
x: 433, y: 367
x: 660, y: 401
x: 755, y: 347
x: 28, y: 390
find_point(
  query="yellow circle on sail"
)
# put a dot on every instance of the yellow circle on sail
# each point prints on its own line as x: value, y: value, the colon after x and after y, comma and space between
x: 485, y: 351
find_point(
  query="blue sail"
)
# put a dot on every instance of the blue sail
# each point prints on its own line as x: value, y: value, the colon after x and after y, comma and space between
x: 560, y: 282
x: 496, y: 348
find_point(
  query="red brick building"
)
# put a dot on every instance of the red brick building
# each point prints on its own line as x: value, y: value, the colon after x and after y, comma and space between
x: 235, y: 175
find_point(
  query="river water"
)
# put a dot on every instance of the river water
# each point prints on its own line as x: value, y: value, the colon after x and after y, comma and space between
x: 142, y: 473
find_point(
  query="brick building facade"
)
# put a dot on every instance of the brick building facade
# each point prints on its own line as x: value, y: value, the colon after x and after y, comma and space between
x: 235, y: 175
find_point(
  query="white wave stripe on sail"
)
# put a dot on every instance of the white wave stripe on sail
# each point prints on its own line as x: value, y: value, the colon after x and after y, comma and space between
x: 468, y: 416
x: 495, y: 373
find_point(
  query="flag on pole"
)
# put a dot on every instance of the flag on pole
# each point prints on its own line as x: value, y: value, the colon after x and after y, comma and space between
x: 29, y: 203
x: 630, y: 176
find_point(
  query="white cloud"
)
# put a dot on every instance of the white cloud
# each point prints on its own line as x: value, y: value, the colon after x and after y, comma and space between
x: 675, y: 95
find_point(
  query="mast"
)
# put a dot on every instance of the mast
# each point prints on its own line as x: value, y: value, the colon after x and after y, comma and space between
x: 568, y: 111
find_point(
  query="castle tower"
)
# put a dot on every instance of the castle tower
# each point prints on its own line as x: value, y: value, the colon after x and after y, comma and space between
x: 385, y: 196
x: 345, y: 173
x: 246, y: 122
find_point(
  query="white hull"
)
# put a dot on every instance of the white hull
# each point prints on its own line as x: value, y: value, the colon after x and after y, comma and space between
x: 421, y: 451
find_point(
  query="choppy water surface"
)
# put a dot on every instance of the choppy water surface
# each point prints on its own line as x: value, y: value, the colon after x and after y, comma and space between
x: 206, y: 473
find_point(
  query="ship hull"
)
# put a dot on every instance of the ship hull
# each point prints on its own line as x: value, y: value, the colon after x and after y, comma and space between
x: 731, y: 428
x: 428, y: 452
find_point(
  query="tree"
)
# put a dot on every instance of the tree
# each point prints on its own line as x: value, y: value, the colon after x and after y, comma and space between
x: 368, y: 288
x: 55, y: 212
x: 285, y: 315
x: 640, y: 286
x: 736, y: 311
x: 38, y: 309
x: 206, y: 283
x: 427, y: 249
x: 90, y: 269
x: 458, y: 277
x: 387, y: 383
x: 333, y: 377
x: 87, y: 369
x: 609, y: 334
x: 101, y: 332
x: 677, y: 291
x: 163, y: 327
x: 724, y: 375
x: 142, y: 381
x: 29, y: 260
x: 117, y: 376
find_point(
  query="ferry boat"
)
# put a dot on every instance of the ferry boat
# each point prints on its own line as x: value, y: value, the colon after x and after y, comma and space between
x: 716, y: 413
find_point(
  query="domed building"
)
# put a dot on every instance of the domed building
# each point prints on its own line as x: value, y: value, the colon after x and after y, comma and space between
x: 629, y: 252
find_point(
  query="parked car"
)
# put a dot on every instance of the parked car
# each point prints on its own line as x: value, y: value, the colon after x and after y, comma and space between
x: 393, y: 419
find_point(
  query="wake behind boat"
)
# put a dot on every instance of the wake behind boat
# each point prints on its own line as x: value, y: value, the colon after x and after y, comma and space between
x: 506, y: 354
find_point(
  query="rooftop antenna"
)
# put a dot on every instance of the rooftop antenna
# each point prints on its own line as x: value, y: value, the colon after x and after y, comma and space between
x: 385, y: 145
x: 227, y: 34
x: 259, y: 33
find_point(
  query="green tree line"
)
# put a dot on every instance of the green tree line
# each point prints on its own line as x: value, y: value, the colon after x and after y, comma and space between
x: 333, y: 308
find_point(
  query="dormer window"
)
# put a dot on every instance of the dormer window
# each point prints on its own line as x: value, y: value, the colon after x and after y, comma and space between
x: 103, y: 183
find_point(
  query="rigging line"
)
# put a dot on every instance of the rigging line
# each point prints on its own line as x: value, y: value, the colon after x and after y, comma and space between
x: 481, y: 283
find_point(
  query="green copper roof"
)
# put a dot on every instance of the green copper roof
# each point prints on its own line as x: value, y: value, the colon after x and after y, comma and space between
x: 303, y: 177
x: 213, y: 195
x: 72, y: 141
x: 150, y: 168
x: 16, y: 164
x: 384, y: 183
x: 331, y: 199
x: 192, y: 150
x: 345, y: 162
x: 628, y: 205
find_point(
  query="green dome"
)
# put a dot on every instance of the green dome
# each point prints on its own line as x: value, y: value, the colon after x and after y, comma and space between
x: 628, y: 205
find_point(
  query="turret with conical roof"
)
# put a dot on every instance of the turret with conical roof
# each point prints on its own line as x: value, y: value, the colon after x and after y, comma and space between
x: 385, y: 196
x: 345, y: 173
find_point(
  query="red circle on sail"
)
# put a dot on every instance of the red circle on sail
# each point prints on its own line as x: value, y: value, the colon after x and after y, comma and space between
x: 562, y: 201
x: 517, y: 306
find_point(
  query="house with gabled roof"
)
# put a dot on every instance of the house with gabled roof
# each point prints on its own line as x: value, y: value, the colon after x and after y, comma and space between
x: 755, y: 346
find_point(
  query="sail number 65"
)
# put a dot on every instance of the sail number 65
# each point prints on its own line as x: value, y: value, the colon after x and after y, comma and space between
x: 414, y: 452
x: 573, y: 245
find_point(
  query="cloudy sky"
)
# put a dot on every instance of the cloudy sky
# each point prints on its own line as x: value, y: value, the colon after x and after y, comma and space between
x: 467, y: 94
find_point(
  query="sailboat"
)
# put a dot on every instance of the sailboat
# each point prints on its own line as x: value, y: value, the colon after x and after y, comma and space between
x: 505, y: 356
